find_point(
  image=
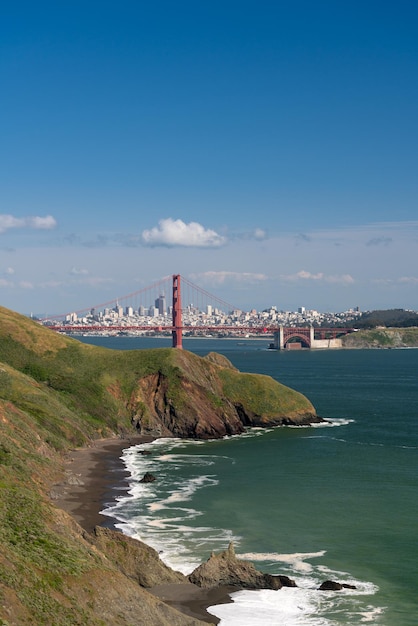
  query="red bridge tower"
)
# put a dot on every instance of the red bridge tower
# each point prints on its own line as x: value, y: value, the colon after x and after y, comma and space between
x: 177, y: 331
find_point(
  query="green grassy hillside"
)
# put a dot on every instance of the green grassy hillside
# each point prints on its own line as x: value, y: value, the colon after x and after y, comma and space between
x: 382, y: 338
x: 57, y: 393
x: 77, y: 391
x: 49, y: 572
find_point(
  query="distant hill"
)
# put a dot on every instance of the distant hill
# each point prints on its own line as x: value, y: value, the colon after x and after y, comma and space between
x: 382, y: 338
x: 394, y: 318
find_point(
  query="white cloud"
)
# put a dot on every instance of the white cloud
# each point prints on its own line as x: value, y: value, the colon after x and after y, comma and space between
x: 75, y: 271
x: 412, y: 280
x: 5, y: 283
x: 41, y: 223
x: 308, y: 276
x: 95, y: 281
x: 171, y: 233
x: 259, y: 234
x: 9, y: 270
x: 219, y: 278
x: 25, y: 284
x: 342, y: 279
x: 345, y: 279
x: 9, y: 221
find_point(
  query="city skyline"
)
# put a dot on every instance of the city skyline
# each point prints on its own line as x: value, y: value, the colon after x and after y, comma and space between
x: 267, y: 152
x: 203, y: 320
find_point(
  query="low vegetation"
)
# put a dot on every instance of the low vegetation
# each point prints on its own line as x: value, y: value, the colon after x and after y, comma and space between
x: 57, y: 394
x: 382, y: 337
x: 390, y: 318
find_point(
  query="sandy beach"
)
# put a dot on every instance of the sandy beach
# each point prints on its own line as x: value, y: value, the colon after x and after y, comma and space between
x: 94, y: 477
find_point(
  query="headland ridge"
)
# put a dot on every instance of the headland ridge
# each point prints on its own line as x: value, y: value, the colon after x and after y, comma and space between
x: 59, y: 396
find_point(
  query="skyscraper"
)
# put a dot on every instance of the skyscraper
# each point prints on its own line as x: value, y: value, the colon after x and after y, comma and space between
x: 161, y: 305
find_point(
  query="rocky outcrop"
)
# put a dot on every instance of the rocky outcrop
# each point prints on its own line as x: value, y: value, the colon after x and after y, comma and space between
x: 134, y: 559
x: 148, y: 478
x: 208, y: 398
x: 226, y: 569
x: 332, y: 585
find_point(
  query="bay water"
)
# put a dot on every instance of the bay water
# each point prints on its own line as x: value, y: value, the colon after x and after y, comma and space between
x: 336, y: 501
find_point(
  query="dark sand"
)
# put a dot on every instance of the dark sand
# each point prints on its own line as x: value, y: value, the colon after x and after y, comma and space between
x: 193, y: 600
x: 95, y: 476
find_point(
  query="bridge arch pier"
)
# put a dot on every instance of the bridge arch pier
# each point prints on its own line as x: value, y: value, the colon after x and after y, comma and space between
x: 283, y: 336
x: 307, y: 337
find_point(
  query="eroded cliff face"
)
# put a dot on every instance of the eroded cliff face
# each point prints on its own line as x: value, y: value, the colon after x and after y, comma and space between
x: 204, y: 401
x: 191, y: 413
x: 134, y: 559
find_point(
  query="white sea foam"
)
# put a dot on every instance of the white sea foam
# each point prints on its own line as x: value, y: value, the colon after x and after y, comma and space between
x: 185, y: 492
x: 203, y: 460
x: 370, y: 614
x: 254, y: 431
x: 332, y: 422
x: 268, y: 608
x: 296, y: 560
x: 156, y: 513
x: 303, y: 605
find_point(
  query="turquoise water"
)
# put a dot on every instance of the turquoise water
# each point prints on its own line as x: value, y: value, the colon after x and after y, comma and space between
x: 315, y: 503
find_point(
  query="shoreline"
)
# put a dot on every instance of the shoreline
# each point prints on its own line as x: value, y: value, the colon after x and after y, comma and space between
x: 94, y: 476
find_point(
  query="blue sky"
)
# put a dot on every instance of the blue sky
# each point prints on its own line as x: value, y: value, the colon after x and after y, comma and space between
x: 265, y: 150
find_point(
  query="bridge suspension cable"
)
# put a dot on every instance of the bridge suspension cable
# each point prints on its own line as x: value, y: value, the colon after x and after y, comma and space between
x: 159, y: 293
x: 201, y: 314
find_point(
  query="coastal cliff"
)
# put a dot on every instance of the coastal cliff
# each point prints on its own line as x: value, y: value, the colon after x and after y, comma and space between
x: 57, y: 394
x: 162, y: 392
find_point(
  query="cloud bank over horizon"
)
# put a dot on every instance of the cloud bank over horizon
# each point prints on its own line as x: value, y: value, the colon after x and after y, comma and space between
x: 331, y: 269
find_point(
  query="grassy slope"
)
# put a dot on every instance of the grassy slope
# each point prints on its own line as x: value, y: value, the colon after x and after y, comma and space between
x: 49, y: 574
x: 262, y: 395
x: 97, y: 389
x: 382, y: 338
x: 56, y: 393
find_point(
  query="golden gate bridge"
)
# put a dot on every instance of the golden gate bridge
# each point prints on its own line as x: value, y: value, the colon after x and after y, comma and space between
x: 191, y: 309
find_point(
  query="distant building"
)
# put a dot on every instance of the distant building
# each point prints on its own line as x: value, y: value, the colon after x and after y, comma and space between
x: 161, y: 305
